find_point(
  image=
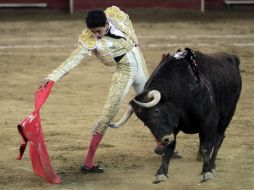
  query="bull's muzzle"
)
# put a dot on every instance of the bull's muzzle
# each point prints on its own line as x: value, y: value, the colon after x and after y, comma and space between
x: 168, y: 139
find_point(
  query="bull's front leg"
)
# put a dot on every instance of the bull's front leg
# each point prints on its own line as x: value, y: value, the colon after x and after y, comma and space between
x: 162, y: 173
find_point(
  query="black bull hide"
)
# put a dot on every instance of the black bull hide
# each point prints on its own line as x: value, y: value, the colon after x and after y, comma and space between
x: 199, y: 93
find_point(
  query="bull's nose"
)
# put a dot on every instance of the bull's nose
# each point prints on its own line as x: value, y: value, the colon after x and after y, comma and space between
x: 168, y: 139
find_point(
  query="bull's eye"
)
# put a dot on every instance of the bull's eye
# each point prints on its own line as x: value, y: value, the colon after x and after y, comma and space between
x: 156, y: 112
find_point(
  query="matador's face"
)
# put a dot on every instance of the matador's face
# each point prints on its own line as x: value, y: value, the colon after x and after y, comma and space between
x: 99, y: 32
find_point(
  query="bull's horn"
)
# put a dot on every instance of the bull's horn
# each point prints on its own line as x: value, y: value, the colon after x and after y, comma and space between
x: 155, y: 94
x: 123, y: 120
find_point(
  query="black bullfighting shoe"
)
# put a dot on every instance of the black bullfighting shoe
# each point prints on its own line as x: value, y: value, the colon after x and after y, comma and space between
x: 94, y: 169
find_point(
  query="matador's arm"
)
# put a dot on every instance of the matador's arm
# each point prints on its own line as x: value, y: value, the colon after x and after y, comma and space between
x: 72, y: 61
x: 87, y: 43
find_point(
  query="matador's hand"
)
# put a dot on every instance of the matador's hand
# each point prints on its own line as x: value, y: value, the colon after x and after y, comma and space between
x: 44, y: 83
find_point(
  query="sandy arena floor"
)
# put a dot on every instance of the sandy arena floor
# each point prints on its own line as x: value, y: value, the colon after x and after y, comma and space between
x: 31, y: 48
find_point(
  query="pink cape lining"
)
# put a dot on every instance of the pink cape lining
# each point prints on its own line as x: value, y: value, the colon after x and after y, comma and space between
x: 31, y: 131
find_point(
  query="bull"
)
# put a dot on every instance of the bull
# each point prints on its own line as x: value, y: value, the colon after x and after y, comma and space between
x: 191, y: 92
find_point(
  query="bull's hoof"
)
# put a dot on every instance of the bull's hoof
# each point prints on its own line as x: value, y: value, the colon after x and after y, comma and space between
x: 206, y: 176
x: 160, y: 178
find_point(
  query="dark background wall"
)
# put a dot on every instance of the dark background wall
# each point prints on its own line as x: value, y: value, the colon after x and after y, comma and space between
x: 90, y: 4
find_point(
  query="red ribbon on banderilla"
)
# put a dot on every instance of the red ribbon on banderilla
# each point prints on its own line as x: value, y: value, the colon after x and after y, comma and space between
x: 31, y: 131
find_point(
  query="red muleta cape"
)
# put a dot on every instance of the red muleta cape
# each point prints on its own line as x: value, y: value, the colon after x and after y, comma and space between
x: 30, y: 129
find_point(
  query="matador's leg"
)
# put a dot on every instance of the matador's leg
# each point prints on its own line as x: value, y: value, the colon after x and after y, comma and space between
x: 141, y: 74
x: 121, y: 82
x: 120, y: 85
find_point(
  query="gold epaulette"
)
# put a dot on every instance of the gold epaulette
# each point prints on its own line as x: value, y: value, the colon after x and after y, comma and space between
x: 88, y: 39
x: 114, y: 13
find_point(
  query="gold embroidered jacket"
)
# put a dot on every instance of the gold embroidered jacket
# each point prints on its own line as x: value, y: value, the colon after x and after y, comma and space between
x: 105, y: 48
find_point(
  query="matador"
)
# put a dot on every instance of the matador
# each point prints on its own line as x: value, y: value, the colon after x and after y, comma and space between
x: 110, y: 37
